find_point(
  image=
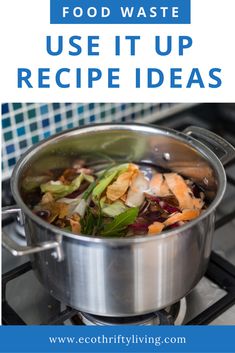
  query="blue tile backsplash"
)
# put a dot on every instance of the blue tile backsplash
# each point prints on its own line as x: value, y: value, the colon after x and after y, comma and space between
x: 24, y: 124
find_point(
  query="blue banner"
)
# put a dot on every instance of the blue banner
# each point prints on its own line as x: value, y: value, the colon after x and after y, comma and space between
x: 120, y: 12
x: 45, y: 339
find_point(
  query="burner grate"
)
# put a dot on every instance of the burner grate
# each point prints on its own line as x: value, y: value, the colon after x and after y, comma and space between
x: 10, y: 317
x: 221, y: 272
x: 61, y: 317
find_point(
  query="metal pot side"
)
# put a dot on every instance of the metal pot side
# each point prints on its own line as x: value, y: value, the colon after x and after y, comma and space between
x: 124, y: 280
x: 124, y: 277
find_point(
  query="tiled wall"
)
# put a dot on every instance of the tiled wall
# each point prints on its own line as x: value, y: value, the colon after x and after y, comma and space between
x: 24, y: 124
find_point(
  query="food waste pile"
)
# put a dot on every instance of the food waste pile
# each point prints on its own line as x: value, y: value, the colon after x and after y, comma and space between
x: 119, y: 201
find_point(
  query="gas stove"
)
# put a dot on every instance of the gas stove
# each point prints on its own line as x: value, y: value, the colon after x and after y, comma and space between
x: 212, y: 300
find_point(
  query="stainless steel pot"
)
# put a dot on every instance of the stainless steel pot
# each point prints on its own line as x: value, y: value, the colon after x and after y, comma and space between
x: 125, y: 276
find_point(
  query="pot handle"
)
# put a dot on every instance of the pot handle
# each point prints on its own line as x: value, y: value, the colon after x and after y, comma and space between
x: 18, y: 250
x: 222, y: 148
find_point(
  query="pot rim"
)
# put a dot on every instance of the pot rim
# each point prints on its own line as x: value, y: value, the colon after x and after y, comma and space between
x: 202, y: 149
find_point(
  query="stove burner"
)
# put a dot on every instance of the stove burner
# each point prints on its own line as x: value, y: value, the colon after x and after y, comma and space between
x: 172, y: 315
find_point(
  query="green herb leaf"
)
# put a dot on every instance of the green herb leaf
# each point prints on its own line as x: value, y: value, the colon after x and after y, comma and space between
x: 120, y: 222
x: 89, y: 190
x: 93, y: 185
x: 91, y: 223
x: 88, y: 223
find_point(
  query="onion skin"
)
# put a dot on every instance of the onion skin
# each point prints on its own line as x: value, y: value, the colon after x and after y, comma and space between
x: 162, y: 202
x: 136, y: 193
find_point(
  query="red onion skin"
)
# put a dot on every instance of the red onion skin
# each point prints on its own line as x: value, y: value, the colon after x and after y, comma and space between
x: 144, y: 207
x: 163, y: 204
x: 173, y: 226
x: 140, y: 226
x: 170, y: 209
x: 142, y: 223
x: 152, y: 198
x: 196, y: 191
x: 148, y: 217
x: 154, y: 217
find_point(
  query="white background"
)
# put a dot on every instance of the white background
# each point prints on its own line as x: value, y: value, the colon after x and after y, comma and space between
x: 26, y: 23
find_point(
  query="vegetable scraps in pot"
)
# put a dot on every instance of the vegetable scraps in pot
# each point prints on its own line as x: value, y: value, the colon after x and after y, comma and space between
x: 117, y: 202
